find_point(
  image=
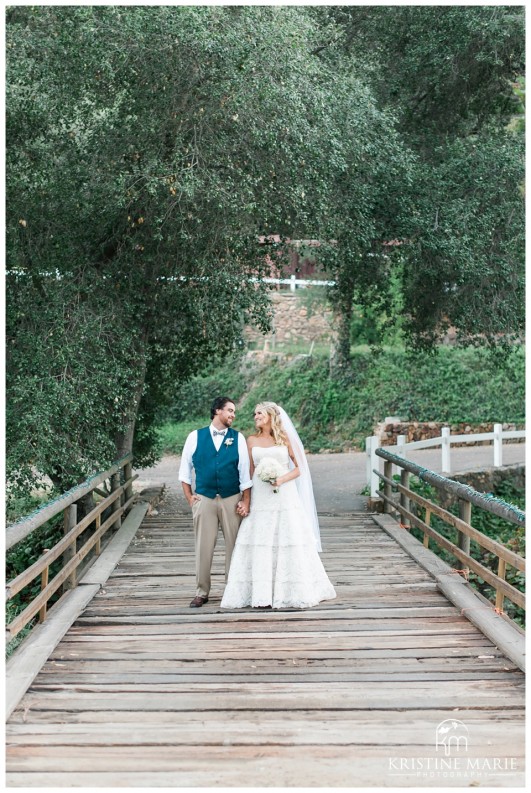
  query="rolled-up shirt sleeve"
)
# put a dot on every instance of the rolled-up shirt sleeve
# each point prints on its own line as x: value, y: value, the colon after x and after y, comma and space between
x: 244, y: 466
x: 185, y: 469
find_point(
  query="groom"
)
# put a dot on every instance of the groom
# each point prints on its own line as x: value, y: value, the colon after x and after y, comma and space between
x: 219, y: 456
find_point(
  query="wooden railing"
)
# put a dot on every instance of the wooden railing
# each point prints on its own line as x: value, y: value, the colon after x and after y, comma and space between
x: 464, y: 530
x: 118, y: 502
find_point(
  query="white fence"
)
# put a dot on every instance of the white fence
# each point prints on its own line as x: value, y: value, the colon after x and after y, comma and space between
x: 445, y: 441
x: 293, y: 282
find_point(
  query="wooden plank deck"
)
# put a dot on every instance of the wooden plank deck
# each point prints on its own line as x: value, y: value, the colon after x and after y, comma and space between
x: 144, y: 691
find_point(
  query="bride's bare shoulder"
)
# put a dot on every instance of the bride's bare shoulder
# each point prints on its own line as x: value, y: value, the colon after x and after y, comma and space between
x: 251, y: 440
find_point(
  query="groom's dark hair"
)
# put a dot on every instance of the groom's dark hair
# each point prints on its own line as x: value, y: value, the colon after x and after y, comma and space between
x: 218, y: 404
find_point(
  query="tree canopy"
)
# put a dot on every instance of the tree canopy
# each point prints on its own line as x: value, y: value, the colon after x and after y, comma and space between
x: 450, y: 78
x: 148, y: 148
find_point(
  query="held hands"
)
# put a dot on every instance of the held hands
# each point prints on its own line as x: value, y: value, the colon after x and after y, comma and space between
x: 242, y: 509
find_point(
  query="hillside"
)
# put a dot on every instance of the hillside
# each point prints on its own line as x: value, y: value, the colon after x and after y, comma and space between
x: 453, y: 385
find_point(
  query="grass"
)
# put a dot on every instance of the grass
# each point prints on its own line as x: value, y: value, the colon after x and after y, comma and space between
x: 172, y: 434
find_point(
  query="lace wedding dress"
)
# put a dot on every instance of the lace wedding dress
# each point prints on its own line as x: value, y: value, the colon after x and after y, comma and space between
x: 275, y: 560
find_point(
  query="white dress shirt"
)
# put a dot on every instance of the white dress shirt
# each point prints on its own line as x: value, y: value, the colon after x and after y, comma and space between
x: 185, y: 470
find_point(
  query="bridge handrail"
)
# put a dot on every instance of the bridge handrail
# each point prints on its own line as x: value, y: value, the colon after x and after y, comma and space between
x: 489, y: 503
x: 118, y: 501
x: 20, y: 529
x: 465, y: 531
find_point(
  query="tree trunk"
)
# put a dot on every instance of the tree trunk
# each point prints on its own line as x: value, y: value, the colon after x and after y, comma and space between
x: 342, y: 359
x: 124, y: 439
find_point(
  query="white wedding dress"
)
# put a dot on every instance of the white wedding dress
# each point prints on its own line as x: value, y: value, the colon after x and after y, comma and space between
x: 275, y: 560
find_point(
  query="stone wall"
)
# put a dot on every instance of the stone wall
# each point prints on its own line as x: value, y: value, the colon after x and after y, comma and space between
x: 293, y: 322
x: 389, y: 430
x: 489, y: 479
x: 486, y: 480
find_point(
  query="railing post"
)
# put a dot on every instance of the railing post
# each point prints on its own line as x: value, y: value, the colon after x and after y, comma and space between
x: 497, y: 445
x: 97, y: 548
x: 44, y: 584
x: 368, y: 461
x: 502, y: 567
x: 404, y: 500
x: 465, y: 513
x: 293, y: 285
x: 128, y: 472
x: 388, y: 490
x: 375, y: 464
x: 115, y: 506
x: 427, y: 521
x: 400, y: 443
x: 70, y: 520
x: 445, y: 446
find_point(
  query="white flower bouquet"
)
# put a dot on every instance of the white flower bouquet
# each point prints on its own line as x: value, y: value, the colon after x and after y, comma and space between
x: 268, y: 470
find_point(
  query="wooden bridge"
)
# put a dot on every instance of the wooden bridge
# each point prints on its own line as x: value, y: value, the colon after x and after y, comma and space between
x: 142, y: 691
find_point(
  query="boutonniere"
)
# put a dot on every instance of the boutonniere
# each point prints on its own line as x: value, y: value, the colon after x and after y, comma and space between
x: 229, y: 441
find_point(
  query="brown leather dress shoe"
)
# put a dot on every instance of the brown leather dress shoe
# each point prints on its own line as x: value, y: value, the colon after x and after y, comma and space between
x: 198, y: 601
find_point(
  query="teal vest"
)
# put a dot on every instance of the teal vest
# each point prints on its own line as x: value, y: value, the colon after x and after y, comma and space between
x: 216, y: 472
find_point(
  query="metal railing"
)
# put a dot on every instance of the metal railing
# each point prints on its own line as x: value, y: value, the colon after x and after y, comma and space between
x: 445, y: 441
x: 465, y: 532
x: 117, y: 502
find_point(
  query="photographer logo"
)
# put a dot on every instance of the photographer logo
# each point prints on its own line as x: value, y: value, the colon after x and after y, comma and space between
x: 451, y: 734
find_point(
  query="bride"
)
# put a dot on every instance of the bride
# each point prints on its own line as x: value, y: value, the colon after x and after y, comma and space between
x: 275, y: 560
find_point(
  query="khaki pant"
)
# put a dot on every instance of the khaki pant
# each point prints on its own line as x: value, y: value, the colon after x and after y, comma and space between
x: 208, y: 515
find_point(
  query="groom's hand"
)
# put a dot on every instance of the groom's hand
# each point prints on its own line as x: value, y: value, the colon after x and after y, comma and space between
x: 242, y: 509
x: 193, y: 499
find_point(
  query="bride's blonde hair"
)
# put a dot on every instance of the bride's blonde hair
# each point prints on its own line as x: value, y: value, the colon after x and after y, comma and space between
x: 277, y: 430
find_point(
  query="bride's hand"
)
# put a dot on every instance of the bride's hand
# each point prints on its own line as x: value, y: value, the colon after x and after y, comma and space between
x: 242, y: 510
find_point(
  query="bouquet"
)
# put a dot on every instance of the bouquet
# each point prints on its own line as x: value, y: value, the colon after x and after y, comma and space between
x: 268, y: 470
